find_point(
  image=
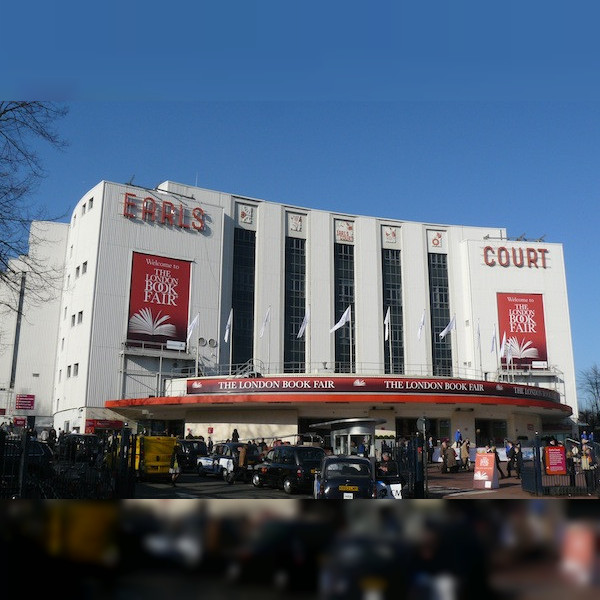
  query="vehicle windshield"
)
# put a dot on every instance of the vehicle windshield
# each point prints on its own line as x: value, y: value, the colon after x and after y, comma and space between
x: 347, y: 469
x: 310, y: 454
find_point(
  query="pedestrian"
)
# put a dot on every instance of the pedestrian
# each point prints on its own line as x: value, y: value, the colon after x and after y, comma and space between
x: 451, y: 462
x: 175, y: 468
x: 510, y: 458
x: 209, y: 445
x: 190, y: 435
x: 235, y: 436
x: 518, y: 462
x: 386, y: 467
x: 458, y: 437
x: 465, y: 451
x: 588, y: 466
x: 494, y: 451
x: 430, y: 448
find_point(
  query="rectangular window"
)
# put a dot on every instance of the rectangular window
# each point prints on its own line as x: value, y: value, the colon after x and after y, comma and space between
x: 80, y: 316
x: 344, y: 296
x: 68, y: 371
x: 295, y: 305
x: 83, y: 209
x: 75, y: 369
x: 392, y: 300
x: 84, y: 268
x: 242, y: 301
x: 439, y: 299
x: 72, y: 320
x: 90, y: 203
x: 77, y: 271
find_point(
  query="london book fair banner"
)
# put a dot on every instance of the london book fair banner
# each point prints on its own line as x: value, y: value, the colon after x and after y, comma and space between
x: 521, y: 324
x: 158, y: 299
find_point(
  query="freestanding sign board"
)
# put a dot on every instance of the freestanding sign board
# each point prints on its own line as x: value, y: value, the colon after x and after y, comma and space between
x: 485, y: 475
x: 556, y: 460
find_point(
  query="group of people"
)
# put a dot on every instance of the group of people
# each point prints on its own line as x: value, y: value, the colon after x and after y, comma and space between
x: 455, y: 456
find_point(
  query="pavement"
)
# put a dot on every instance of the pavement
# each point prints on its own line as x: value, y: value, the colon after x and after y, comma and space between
x: 460, y: 486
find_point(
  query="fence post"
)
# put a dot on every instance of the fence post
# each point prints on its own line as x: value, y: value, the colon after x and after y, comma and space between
x: 23, y: 461
x: 537, y: 466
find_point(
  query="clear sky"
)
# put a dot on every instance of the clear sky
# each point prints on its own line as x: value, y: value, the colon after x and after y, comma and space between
x: 444, y: 112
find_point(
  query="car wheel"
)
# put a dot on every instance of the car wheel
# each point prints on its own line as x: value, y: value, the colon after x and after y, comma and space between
x: 256, y: 482
x: 288, y: 486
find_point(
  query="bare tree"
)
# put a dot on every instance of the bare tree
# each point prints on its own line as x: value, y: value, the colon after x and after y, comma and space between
x: 22, y: 126
x: 588, y: 384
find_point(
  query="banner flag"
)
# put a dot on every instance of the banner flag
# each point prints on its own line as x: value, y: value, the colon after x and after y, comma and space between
x: 343, y: 320
x: 493, y: 339
x: 386, y: 322
x: 228, y: 326
x: 448, y: 328
x: 266, y: 320
x: 421, y: 325
x: 191, y: 327
x: 503, y: 345
x: 304, y: 324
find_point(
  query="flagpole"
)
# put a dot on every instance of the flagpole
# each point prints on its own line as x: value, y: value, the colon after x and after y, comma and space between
x: 390, y: 342
x: 307, y: 340
x: 197, y: 355
x: 350, y: 313
x: 479, y: 344
x: 231, y: 342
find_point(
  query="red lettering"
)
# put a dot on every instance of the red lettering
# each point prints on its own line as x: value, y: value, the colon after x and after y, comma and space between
x: 543, y: 252
x: 167, y: 212
x: 503, y: 257
x: 149, y: 209
x: 519, y: 262
x: 181, y: 220
x: 129, y: 204
x: 532, y: 257
x: 490, y: 262
x: 198, y: 222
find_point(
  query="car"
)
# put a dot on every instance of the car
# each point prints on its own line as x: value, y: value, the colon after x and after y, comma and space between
x: 40, y: 458
x: 345, y: 478
x: 224, y: 458
x: 291, y: 468
x: 188, y: 452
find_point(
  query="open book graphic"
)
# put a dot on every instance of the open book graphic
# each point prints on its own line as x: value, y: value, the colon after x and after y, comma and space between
x: 144, y: 323
x: 521, y: 350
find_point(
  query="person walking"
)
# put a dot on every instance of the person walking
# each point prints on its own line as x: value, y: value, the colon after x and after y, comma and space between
x: 175, y: 468
x: 235, y: 436
x: 510, y: 457
x: 494, y: 451
x: 465, y: 459
x: 458, y: 437
x: 588, y: 466
x: 518, y: 460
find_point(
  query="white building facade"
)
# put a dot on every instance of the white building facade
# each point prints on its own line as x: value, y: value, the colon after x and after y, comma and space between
x: 142, y: 267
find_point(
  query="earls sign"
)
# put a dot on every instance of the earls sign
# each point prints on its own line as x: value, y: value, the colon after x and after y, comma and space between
x: 164, y: 212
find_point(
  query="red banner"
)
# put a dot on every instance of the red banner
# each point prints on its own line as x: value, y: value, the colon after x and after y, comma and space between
x: 158, y: 299
x: 556, y: 460
x: 521, y: 320
x: 485, y: 474
x: 24, y: 401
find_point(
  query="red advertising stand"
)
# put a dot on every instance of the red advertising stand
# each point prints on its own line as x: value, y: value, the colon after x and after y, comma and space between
x: 556, y: 460
x: 485, y: 475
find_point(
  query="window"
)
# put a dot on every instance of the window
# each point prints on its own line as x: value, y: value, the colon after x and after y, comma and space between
x: 74, y: 220
x: 90, y: 203
x: 344, y: 292
x: 83, y: 209
x: 439, y: 298
x: 72, y: 320
x: 68, y: 371
x: 77, y: 271
x: 75, y: 369
x: 392, y: 300
x: 80, y: 316
x: 84, y: 268
x: 295, y: 304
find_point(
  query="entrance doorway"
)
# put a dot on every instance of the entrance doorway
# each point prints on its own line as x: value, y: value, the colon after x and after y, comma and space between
x: 490, y: 431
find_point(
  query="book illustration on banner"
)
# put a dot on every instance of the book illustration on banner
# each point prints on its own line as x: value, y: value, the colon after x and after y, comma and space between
x: 521, y: 350
x: 145, y: 323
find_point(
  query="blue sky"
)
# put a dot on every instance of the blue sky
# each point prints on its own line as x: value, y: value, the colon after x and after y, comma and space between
x: 446, y: 112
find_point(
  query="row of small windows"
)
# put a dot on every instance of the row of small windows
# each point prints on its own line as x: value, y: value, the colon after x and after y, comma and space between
x: 84, y: 208
x: 76, y: 319
x: 72, y: 371
x: 79, y: 270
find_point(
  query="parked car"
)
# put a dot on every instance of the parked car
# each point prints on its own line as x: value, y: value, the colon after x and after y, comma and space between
x: 40, y: 458
x: 225, y: 458
x: 188, y: 452
x: 345, y: 477
x: 291, y: 468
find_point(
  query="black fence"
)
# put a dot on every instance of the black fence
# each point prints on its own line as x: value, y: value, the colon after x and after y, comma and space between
x: 78, y: 467
x: 408, y: 455
x: 538, y: 479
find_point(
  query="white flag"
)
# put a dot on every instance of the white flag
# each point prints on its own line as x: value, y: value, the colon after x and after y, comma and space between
x: 421, y: 325
x: 304, y: 324
x: 386, y: 322
x: 503, y: 345
x: 266, y: 320
x: 493, y: 339
x: 478, y: 336
x: 191, y: 326
x: 228, y: 326
x: 448, y: 328
x: 343, y: 320
x: 508, y: 353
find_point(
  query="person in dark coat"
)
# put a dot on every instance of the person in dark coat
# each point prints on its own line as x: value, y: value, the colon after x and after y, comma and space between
x: 235, y: 436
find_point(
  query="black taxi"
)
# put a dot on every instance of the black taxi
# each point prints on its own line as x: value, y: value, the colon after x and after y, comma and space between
x: 345, y: 478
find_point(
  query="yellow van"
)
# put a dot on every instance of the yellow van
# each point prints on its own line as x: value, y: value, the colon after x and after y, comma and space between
x: 153, y: 455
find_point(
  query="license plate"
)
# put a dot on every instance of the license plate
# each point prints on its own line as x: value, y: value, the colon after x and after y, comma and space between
x: 348, y: 496
x: 348, y: 488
